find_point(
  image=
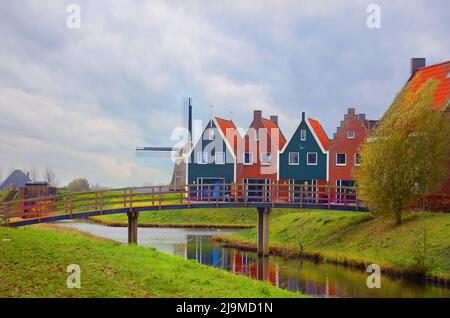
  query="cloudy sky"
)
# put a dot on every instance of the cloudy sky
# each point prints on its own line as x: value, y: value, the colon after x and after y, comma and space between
x: 80, y: 100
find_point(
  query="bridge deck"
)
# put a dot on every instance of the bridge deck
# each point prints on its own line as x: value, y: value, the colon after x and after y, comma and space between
x: 87, y: 204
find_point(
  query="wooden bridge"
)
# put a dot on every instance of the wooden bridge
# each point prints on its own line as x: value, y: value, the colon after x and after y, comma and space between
x: 134, y: 200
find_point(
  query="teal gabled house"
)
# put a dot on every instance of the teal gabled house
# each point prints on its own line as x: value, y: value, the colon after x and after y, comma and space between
x: 212, y: 161
x: 304, y: 158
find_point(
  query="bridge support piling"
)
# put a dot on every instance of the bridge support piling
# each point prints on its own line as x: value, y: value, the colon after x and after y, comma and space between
x: 263, y: 231
x: 132, y: 226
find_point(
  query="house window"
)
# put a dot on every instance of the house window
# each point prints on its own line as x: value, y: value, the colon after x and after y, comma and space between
x: 311, y: 158
x: 202, y: 158
x: 341, y: 159
x: 266, y: 158
x: 248, y: 158
x: 350, y: 134
x: 211, y: 134
x: 220, y: 158
x: 294, y: 158
x: 357, y: 159
x: 302, y: 135
x: 256, y: 134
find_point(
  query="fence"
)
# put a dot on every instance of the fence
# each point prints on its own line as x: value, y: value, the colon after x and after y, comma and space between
x: 275, y: 194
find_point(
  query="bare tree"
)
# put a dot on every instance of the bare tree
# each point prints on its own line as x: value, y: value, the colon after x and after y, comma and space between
x: 49, y: 176
x: 34, y: 173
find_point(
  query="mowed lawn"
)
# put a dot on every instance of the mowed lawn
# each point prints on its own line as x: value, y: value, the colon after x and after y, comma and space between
x: 356, y: 237
x: 33, y: 262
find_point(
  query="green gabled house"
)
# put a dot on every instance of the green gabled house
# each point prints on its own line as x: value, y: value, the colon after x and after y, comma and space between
x: 212, y: 161
x: 304, y: 158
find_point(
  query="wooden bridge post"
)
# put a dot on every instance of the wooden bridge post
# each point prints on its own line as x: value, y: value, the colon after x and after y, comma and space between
x: 181, y: 194
x: 101, y: 203
x: 356, y: 201
x: 329, y: 198
x: 71, y: 204
x: 188, y: 196
x: 153, y: 195
x: 132, y: 226
x: 159, y: 197
x: 301, y: 196
x: 263, y: 231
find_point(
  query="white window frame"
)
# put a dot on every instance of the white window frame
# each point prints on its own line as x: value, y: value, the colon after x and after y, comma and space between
x: 358, y: 164
x: 268, y: 163
x: 307, y: 159
x: 200, y: 155
x: 211, y: 134
x: 351, y: 137
x: 289, y: 159
x: 250, y: 157
x: 341, y: 164
x: 303, y: 135
x: 223, y: 156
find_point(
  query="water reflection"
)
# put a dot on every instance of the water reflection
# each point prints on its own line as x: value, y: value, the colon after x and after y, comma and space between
x: 314, y: 279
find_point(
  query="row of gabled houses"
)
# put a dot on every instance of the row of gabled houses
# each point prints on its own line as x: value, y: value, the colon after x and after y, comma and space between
x: 263, y: 155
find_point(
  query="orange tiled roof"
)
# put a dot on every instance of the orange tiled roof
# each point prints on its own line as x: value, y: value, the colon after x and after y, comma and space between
x: 269, y: 125
x: 320, y: 132
x: 228, y: 126
x: 439, y: 72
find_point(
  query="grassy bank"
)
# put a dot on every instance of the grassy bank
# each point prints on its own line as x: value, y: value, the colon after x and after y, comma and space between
x: 223, y: 217
x: 355, y: 238
x: 3, y: 194
x: 33, y: 262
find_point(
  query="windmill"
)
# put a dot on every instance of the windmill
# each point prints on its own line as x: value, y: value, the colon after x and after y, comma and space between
x: 179, y: 170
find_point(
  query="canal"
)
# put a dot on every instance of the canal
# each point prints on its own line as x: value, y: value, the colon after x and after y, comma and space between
x: 313, y: 279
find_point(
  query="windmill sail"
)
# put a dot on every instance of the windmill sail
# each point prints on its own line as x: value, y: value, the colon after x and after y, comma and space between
x: 179, y: 169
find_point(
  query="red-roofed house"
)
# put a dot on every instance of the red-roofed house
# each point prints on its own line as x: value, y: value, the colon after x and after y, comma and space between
x: 440, y: 72
x: 258, y: 154
x: 441, y: 101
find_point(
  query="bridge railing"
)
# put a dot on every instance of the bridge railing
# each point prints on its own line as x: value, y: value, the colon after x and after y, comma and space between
x: 186, y: 195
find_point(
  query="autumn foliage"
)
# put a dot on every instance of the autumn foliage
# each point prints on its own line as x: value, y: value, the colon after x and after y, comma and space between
x: 406, y: 157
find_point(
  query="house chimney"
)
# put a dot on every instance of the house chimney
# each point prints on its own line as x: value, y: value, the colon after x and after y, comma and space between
x: 274, y: 118
x: 28, y: 175
x: 303, y: 116
x: 362, y: 117
x: 416, y: 63
x: 257, y: 114
x: 351, y: 111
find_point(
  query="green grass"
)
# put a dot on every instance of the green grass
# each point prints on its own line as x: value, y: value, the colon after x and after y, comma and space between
x: 382, y: 242
x: 307, y: 226
x: 206, y: 216
x: 354, y: 237
x: 33, y: 262
x: 3, y: 194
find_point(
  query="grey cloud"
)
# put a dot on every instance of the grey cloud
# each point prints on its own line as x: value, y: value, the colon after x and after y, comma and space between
x: 117, y: 82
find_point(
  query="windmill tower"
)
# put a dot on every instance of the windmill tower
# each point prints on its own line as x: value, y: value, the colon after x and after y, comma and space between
x: 179, y: 169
